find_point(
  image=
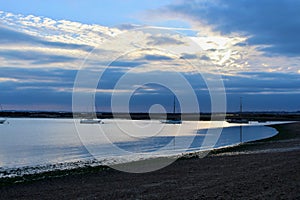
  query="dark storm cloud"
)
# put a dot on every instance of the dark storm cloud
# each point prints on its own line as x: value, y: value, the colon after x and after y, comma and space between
x: 268, y: 22
x: 8, y: 36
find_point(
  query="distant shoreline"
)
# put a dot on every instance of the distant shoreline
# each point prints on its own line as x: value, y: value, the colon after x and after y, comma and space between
x: 251, y: 116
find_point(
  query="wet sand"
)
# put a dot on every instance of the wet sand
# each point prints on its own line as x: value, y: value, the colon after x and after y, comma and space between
x: 268, y: 169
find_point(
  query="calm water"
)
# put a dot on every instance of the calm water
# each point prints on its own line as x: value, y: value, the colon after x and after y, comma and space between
x: 42, y: 142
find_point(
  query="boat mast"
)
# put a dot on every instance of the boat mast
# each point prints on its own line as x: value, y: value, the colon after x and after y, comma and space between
x: 241, y: 128
x: 241, y: 106
x: 174, y: 105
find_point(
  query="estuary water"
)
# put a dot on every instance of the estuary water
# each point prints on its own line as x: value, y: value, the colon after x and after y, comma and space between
x: 45, y: 144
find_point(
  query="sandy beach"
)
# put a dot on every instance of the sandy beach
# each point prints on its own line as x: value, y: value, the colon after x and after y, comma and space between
x: 267, y: 169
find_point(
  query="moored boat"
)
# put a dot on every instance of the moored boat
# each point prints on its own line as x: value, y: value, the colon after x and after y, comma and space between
x: 175, y: 120
x: 90, y: 121
x: 2, y: 121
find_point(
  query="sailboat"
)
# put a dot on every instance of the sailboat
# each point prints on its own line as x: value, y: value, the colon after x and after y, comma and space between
x: 174, y: 120
x: 240, y: 120
x: 2, y: 120
x: 90, y: 120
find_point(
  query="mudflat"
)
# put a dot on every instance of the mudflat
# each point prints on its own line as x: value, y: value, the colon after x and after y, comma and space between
x: 267, y: 169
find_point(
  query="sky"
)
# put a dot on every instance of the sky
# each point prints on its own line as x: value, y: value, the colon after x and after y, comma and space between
x: 137, y: 55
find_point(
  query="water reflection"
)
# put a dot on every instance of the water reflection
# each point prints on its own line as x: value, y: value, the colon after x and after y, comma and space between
x: 32, y: 142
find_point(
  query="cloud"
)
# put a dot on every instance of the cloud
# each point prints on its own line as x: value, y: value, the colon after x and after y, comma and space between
x: 8, y: 36
x: 37, y: 77
x: 36, y: 88
x: 188, y: 56
x: 45, y: 42
x: 34, y: 42
x: 262, y: 83
x: 38, y: 56
x: 275, y: 24
x: 128, y: 26
x: 156, y: 57
x: 35, y: 57
x: 58, y: 30
x: 126, y: 64
x: 164, y: 40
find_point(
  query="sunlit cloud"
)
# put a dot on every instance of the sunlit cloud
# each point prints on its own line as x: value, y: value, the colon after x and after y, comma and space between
x: 256, y: 37
x: 9, y: 79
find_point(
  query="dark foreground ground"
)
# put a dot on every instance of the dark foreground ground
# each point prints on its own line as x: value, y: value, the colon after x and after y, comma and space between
x: 272, y: 172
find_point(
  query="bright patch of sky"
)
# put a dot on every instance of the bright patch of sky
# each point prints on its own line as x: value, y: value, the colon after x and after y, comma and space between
x: 104, y: 12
